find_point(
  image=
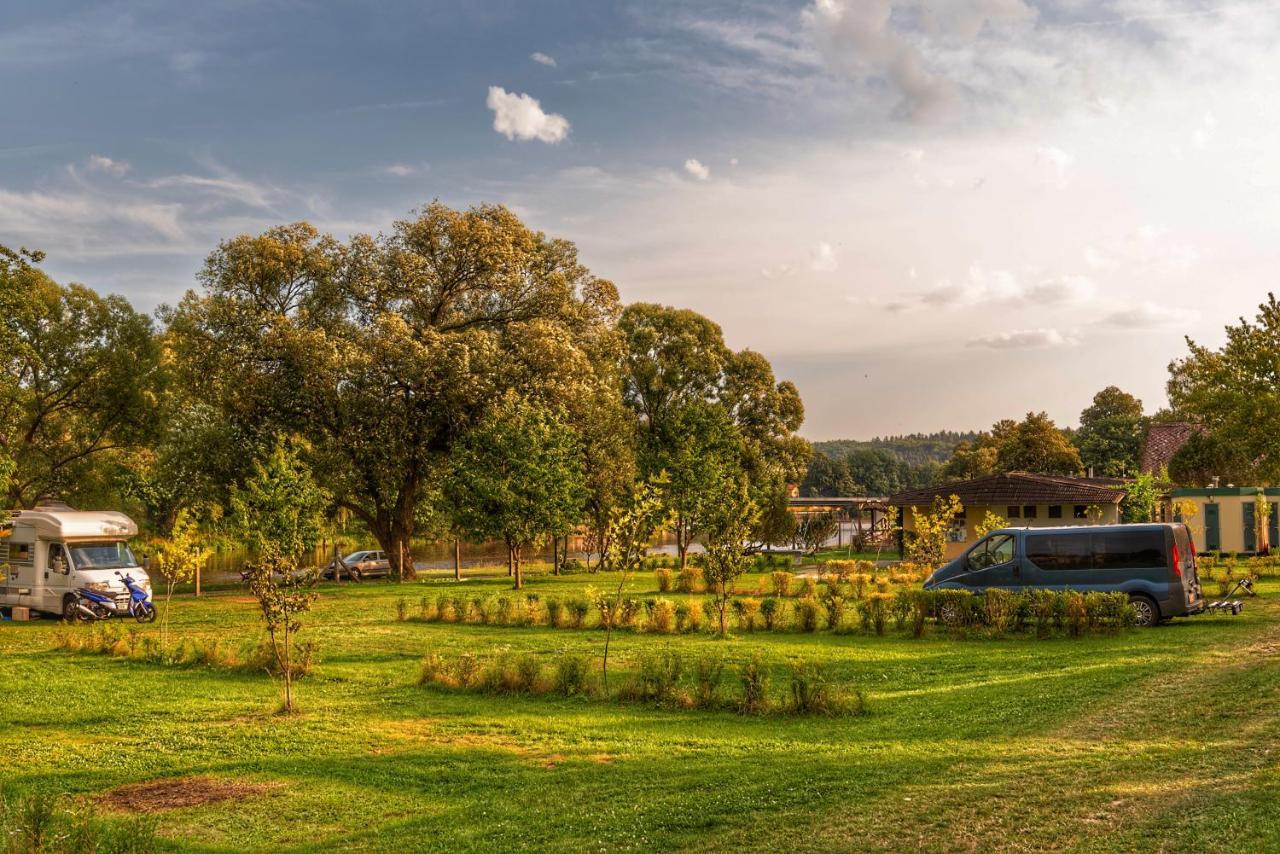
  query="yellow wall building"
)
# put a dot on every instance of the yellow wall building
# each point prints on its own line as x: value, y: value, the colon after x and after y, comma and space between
x: 1021, y: 499
x: 1224, y: 519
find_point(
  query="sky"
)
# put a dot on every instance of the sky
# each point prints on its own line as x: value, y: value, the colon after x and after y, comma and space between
x: 928, y: 214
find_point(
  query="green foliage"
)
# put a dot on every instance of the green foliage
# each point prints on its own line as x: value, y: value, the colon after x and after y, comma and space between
x: 1233, y: 392
x: 1111, y: 433
x: 80, y: 382
x: 1034, y: 444
x: 1142, y: 499
x: 42, y: 822
x: 517, y: 477
x: 280, y: 514
x: 927, y: 543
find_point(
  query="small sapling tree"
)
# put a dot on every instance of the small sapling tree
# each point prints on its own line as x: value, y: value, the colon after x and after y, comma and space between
x: 725, y: 558
x: 178, y: 557
x: 632, y: 528
x: 280, y: 511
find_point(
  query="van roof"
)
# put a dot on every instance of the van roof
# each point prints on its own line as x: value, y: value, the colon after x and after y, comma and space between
x: 77, y: 524
x: 1068, y: 529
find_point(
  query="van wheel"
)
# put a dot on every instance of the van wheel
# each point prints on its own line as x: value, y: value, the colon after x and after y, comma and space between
x: 1148, y: 614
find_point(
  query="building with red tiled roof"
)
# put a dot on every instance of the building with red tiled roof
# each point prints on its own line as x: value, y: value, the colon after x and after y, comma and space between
x: 1022, y: 499
x: 1162, y: 442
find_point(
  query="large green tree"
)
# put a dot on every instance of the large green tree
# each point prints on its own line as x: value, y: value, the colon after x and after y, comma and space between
x: 79, y: 382
x: 381, y: 352
x: 1235, y: 392
x: 1110, y: 434
x: 1034, y: 444
x: 704, y: 412
x: 517, y: 477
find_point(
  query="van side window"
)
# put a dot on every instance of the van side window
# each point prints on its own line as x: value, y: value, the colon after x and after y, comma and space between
x: 1130, y: 550
x: 58, y: 559
x: 1060, y: 551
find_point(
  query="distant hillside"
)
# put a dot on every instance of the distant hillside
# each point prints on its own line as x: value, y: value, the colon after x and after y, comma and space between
x: 915, y: 449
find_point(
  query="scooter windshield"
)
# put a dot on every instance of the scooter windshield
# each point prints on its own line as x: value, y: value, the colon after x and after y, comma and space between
x: 115, y: 555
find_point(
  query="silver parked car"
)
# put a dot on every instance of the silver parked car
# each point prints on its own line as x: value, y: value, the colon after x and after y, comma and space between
x: 359, y: 565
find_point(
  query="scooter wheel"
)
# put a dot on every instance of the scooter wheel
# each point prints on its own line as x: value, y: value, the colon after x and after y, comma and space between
x: 146, y: 615
x: 71, y: 612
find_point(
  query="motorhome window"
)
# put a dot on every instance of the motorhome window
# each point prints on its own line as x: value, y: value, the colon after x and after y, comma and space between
x: 20, y: 552
x: 1013, y: 512
x: 1055, y: 511
x: 1060, y: 551
x: 102, y: 556
x: 58, y: 559
x: 1129, y: 549
x: 1029, y: 512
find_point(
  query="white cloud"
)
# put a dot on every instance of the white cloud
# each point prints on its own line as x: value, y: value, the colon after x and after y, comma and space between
x: 864, y: 40
x: 733, y: 161
x: 519, y: 116
x: 697, y: 169
x: 406, y: 170
x: 228, y: 187
x: 1149, y: 315
x: 1025, y: 339
x: 1060, y: 160
x: 823, y: 259
x: 992, y: 287
x: 98, y: 163
x: 543, y: 59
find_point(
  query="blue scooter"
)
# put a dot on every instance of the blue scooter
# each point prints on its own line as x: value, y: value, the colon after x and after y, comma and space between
x: 140, y: 607
x: 93, y: 605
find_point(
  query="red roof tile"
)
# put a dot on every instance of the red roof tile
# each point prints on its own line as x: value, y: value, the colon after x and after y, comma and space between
x: 1019, y: 488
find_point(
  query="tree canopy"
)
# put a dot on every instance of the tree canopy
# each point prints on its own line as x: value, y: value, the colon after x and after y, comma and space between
x: 1034, y: 444
x: 383, y: 351
x: 1111, y: 433
x: 79, y: 382
x: 1234, y: 391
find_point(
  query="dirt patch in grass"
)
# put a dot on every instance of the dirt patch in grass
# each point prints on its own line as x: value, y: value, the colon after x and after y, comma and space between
x: 178, y: 792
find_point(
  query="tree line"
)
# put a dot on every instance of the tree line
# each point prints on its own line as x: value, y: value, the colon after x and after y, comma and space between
x: 461, y: 375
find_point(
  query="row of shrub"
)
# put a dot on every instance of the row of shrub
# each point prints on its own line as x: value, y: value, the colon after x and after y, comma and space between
x: 997, y: 612
x: 784, y: 584
x: 41, y: 822
x: 758, y: 563
x: 248, y: 656
x: 663, y: 679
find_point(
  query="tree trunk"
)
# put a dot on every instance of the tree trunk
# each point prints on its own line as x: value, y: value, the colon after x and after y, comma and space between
x: 555, y: 555
x: 511, y: 562
x: 457, y: 560
x: 515, y: 562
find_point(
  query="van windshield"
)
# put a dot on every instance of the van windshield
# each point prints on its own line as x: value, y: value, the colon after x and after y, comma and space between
x: 102, y: 556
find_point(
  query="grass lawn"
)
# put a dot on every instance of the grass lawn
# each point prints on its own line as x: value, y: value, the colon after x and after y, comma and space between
x: 1164, y: 739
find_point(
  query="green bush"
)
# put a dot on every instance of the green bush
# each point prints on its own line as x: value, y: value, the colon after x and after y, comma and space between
x: 781, y: 583
x: 578, y: 608
x: 666, y: 580
x: 708, y: 673
x: 655, y: 678
x: 834, y: 601
x: 814, y: 692
x: 690, y: 580
x: 555, y: 613
x: 574, y: 675
x: 807, y: 614
x: 873, y: 612
x: 662, y: 617
x: 39, y: 822
x: 753, y: 677
x: 769, y: 610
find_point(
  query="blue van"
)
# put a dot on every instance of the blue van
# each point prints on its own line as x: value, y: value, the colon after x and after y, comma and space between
x: 1154, y: 564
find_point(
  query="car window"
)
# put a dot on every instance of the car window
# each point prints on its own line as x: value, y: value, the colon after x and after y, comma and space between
x: 1129, y: 550
x: 993, y: 551
x: 1060, y: 551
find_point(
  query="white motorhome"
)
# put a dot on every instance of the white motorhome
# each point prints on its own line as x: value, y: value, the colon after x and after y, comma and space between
x: 52, y: 551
